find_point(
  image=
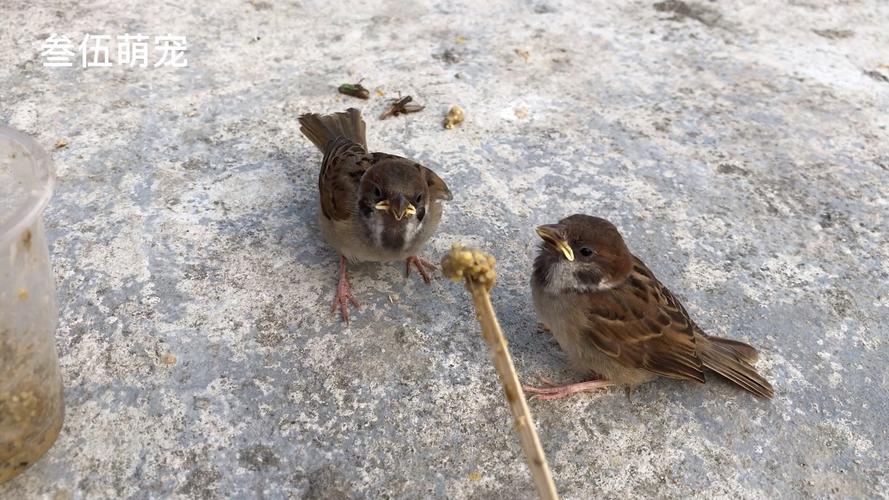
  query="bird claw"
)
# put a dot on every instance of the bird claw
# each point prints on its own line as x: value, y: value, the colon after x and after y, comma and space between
x: 343, y: 296
x: 419, y: 263
x: 342, y: 299
x: 553, y: 391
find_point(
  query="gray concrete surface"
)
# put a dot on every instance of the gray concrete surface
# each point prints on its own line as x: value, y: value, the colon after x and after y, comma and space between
x: 741, y: 147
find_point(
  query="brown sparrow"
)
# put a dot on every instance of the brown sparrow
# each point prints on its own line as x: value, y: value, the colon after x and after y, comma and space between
x: 614, y: 318
x: 374, y: 206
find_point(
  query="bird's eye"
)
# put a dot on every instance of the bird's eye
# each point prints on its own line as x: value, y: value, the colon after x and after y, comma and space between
x: 378, y: 193
x: 586, y: 251
x: 418, y: 199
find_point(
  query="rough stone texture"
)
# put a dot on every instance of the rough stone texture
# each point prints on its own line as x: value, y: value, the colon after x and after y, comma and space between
x: 741, y: 148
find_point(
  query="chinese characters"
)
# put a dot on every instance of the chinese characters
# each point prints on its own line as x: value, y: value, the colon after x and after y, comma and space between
x: 95, y: 51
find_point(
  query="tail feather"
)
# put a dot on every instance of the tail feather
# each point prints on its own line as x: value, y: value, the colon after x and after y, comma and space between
x: 321, y: 129
x: 732, y: 360
x: 745, y: 351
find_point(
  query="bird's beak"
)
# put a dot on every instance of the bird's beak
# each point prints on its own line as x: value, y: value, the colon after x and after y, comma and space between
x: 555, y: 234
x: 399, y: 206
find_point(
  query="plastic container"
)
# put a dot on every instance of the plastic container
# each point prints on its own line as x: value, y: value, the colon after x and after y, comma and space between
x: 31, y: 404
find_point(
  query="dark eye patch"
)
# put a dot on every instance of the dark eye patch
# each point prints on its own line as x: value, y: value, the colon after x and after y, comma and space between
x: 588, y: 277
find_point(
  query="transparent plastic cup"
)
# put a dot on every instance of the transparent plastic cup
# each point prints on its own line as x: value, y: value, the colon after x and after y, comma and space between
x: 31, y: 404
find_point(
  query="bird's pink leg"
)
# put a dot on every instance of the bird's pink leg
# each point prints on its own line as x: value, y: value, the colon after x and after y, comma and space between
x: 343, y: 294
x: 420, y: 264
x: 553, y: 391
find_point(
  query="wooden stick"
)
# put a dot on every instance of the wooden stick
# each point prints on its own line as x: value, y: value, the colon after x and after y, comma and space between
x: 477, y: 269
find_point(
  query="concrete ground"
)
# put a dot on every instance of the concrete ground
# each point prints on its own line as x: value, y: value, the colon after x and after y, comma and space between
x: 741, y: 148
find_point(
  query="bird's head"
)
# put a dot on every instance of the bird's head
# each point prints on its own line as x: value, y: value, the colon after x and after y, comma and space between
x: 399, y: 190
x: 581, y: 254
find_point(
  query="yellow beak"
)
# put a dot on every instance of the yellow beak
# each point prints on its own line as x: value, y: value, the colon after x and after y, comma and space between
x: 408, y: 210
x: 553, y: 233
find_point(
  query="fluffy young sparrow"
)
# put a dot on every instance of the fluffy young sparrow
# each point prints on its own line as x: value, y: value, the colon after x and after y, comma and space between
x: 374, y: 206
x: 615, y: 319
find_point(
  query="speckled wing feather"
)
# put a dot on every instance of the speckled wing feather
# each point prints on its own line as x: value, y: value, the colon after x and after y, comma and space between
x: 343, y: 165
x: 341, y: 137
x: 642, y: 325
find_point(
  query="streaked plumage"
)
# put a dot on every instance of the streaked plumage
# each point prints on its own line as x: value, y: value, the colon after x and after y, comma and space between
x: 613, y: 318
x: 373, y: 206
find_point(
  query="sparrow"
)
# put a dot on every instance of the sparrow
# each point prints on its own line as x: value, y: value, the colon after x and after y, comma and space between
x: 613, y: 318
x: 374, y: 207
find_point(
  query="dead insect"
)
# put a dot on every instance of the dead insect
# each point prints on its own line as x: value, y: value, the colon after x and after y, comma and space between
x: 401, y: 106
x: 354, y: 90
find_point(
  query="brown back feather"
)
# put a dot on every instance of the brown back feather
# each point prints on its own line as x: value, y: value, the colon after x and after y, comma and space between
x: 341, y: 169
x: 645, y: 327
x: 341, y: 137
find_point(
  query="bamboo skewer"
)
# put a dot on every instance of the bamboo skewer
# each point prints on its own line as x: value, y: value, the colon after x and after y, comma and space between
x: 477, y: 270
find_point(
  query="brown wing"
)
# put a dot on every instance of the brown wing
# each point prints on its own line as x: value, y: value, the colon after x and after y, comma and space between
x: 343, y: 165
x: 642, y: 325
